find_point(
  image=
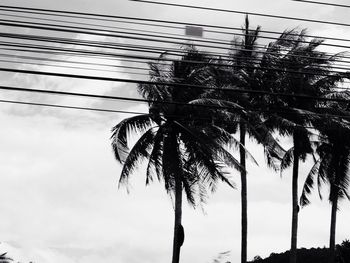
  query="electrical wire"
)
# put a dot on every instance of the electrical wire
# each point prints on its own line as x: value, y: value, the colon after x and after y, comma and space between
x: 107, y: 65
x: 194, y: 40
x: 124, y: 36
x: 165, y: 36
x: 71, y: 62
x: 141, y: 48
x: 322, y: 3
x: 217, y: 107
x: 111, y: 18
x: 298, y: 72
x: 110, y: 44
x: 244, y: 13
x: 73, y: 67
x: 171, y: 84
x: 150, y: 58
x: 69, y: 107
x: 52, y: 92
x: 229, y: 59
x: 39, y: 38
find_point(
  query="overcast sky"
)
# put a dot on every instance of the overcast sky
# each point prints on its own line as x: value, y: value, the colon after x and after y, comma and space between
x: 59, y: 198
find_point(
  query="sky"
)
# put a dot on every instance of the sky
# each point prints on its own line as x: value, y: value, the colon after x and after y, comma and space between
x: 59, y: 198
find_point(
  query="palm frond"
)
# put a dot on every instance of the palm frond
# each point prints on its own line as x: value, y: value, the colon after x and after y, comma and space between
x: 309, y: 184
x: 155, y: 158
x: 120, y: 132
x: 202, y: 152
x: 225, y: 139
x: 139, y: 152
x: 216, y: 149
x: 287, y: 159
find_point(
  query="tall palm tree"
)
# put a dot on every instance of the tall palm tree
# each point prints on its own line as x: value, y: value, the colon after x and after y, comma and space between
x: 332, y: 168
x: 246, y: 69
x: 303, y: 70
x: 182, y: 145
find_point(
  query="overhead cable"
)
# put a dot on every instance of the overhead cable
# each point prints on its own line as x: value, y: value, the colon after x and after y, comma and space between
x: 322, y: 3
x: 69, y: 107
x: 84, y: 15
x: 158, y: 33
x: 149, y: 58
x: 169, y: 84
x: 217, y: 107
x: 243, y: 13
x: 120, y: 35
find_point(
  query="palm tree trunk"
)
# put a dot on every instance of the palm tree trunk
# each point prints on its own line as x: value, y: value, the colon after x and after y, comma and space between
x: 171, y: 165
x: 244, y: 217
x: 295, y: 208
x: 333, y: 228
x: 177, y: 224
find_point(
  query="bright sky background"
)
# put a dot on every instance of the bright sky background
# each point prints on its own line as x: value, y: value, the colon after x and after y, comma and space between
x: 59, y: 198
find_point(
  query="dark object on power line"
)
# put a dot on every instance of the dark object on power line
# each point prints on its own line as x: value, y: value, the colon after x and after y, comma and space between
x: 194, y: 31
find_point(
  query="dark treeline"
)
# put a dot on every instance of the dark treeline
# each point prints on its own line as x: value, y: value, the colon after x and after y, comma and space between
x: 312, y: 255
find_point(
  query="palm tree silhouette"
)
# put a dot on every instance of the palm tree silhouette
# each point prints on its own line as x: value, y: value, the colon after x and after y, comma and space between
x: 331, y: 168
x: 303, y: 71
x: 246, y: 70
x: 180, y: 141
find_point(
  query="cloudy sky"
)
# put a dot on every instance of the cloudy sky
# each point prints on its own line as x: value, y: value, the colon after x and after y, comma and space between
x: 59, y: 198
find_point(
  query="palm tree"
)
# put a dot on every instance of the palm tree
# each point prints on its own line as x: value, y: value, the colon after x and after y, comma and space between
x: 303, y: 71
x: 332, y: 168
x: 247, y: 70
x: 181, y: 144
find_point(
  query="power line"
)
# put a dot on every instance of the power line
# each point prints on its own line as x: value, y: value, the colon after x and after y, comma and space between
x: 110, y: 110
x: 73, y: 29
x: 178, y: 52
x: 149, y: 58
x: 90, y: 64
x: 107, y: 110
x: 244, y: 13
x: 72, y: 62
x: 75, y: 42
x: 100, y: 64
x: 171, y: 115
x: 122, y: 28
x: 126, y: 35
x: 72, y: 67
x: 111, y: 18
x: 255, y: 92
x: 166, y: 36
x: 57, y: 53
x: 40, y: 38
x: 69, y: 107
x: 140, y: 48
x: 195, y: 40
x: 122, y: 35
x: 322, y: 3
x: 15, y: 56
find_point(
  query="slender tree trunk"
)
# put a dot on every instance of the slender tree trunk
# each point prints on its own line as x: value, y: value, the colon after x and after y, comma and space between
x: 244, y: 222
x: 333, y: 228
x: 177, y: 224
x: 171, y: 165
x: 295, y: 208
